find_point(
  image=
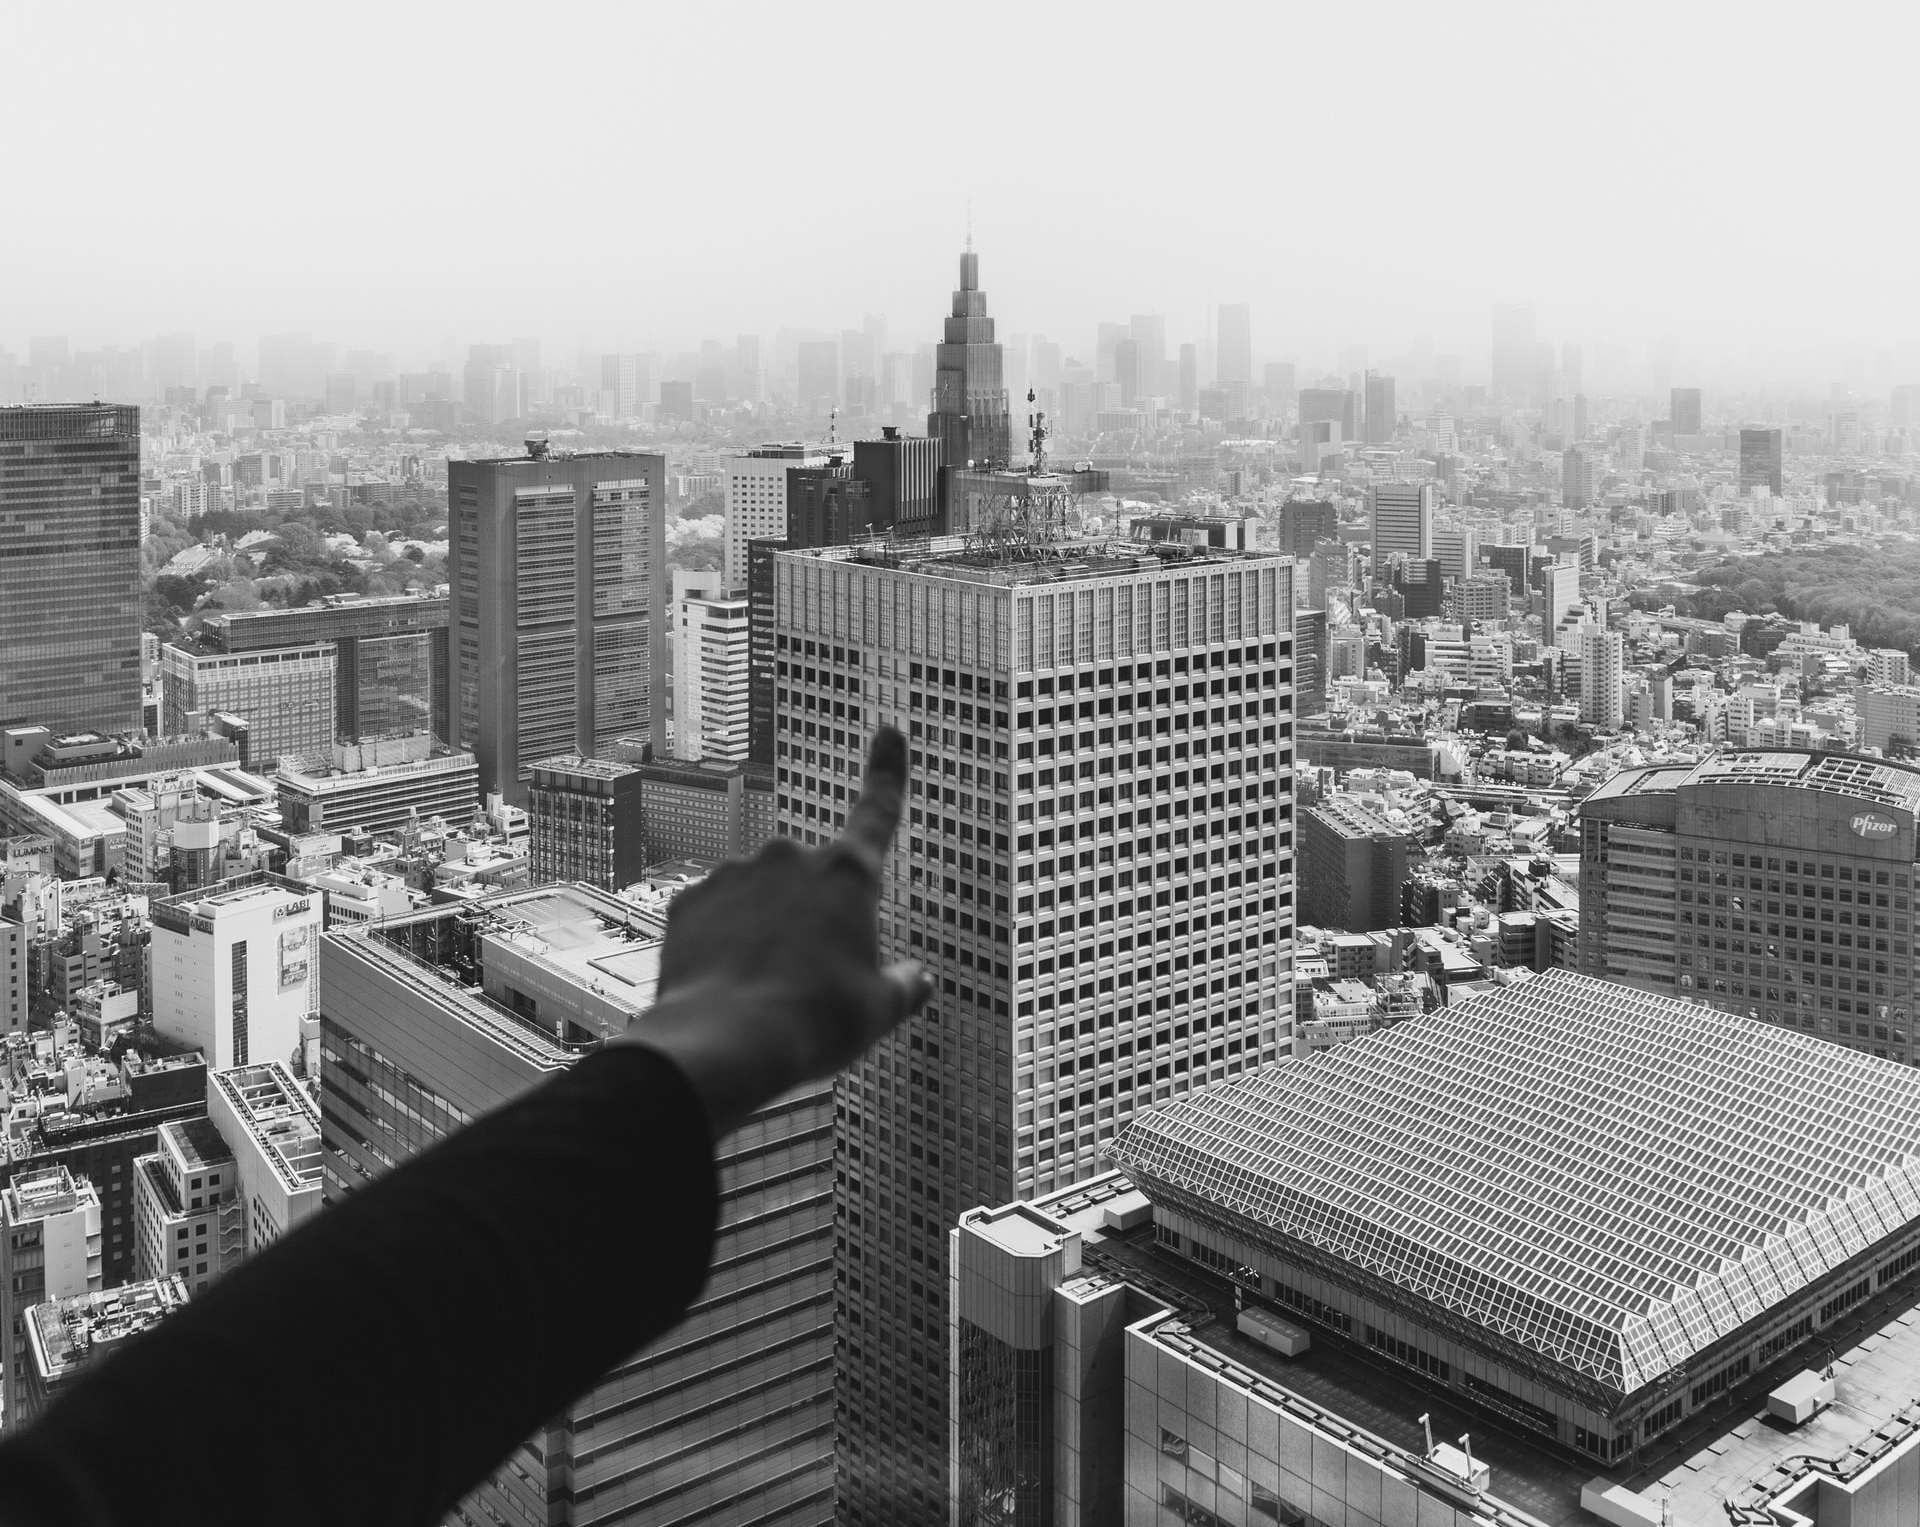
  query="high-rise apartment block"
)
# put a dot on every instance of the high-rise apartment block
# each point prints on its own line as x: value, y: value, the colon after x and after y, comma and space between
x: 1402, y: 515
x: 284, y: 694
x: 712, y: 642
x: 392, y: 672
x: 559, y: 607
x: 1790, y: 876
x: 727, y: 1420
x: 756, y: 499
x: 970, y: 416
x: 50, y: 1220
x: 1579, y: 477
x: 70, y: 578
x: 1352, y: 864
x: 1602, y: 678
x: 1683, y: 410
x: 1095, y: 867
x: 585, y: 822
x: 233, y: 969
x: 1761, y: 461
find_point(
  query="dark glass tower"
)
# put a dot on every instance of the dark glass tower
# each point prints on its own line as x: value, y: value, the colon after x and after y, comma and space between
x: 970, y: 417
x: 70, y: 567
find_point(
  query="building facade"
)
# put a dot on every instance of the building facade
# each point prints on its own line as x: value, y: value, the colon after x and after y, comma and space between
x: 378, y: 787
x: 1761, y: 461
x: 756, y: 499
x: 559, y: 607
x: 712, y: 664
x: 1402, y: 521
x: 286, y: 695
x: 1352, y: 864
x: 50, y: 1221
x: 1776, y: 884
x: 233, y: 969
x: 70, y: 582
x: 970, y: 415
x: 1095, y: 868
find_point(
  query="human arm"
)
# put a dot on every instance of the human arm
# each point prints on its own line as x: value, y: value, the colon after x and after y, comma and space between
x: 386, y: 1358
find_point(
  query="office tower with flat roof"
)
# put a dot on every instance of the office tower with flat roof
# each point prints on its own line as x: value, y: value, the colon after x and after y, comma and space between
x: 50, y: 1220
x: 189, y: 1217
x: 1684, y: 410
x: 273, y: 1129
x: 1095, y: 867
x: 377, y: 787
x: 1381, y: 417
x: 970, y: 416
x: 286, y: 695
x: 1761, y: 461
x: 584, y: 822
x: 1402, y: 521
x: 70, y: 575
x: 1352, y: 864
x: 233, y: 968
x: 433, y: 1019
x: 755, y: 484
x: 1513, y: 353
x: 1233, y: 344
x: 392, y: 673
x: 711, y: 670
x: 559, y: 607
x: 1579, y: 477
x: 1773, y: 883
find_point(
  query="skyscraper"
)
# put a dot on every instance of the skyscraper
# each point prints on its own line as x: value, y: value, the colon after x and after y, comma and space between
x: 70, y: 578
x: 970, y: 416
x: 1513, y: 352
x: 1602, y: 672
x: 1402, y: 514
x: 559, y: 605
x: 1381, y: 418
x: 1578, y: 477
x: 1234, y: 342
x: 1095, y: 868
x: 1760, y: 461
x: 755, y: 484
x: 1684, y: 410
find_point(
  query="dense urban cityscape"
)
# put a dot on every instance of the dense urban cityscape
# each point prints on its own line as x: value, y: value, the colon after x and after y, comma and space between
x: 1411, y: 844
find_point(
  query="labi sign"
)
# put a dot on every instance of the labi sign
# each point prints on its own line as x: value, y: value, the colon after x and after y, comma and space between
x: 1872, y: 826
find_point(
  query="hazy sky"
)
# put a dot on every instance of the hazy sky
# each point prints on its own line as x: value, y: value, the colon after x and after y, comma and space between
x: 396, y: 175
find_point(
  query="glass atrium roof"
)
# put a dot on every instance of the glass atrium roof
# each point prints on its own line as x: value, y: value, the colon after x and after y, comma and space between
x: 1610, y: 1178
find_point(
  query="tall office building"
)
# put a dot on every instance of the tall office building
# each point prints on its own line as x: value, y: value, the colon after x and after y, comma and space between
x: 1189, y: 398
x: 818, y: 377
x: 585, y: 823
x: 755, y: 483
x: 1513, y: 353
x: 1305, y: 523
x: 970, y: 418
x: 559, y: 607
x: 1684, y: 410
x: 711, y: 670
x: 1402, y: 521
x: 70, y: 578
x: 1233, y: 344
x: 1560, y: 592
x: 1381, y: 418
x: 728, y: 1421
x: 1790, y: 875
x: 1352, y: 864
x: 1095, y: 867
x: 1579, y: 477
x: 392, y: 674
x: 1760, y: 461
x: 1149, y: 334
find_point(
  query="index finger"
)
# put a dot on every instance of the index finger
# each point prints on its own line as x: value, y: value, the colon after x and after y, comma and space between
x: 876, y: 815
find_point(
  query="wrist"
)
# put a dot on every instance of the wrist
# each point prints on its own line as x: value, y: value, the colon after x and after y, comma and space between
x: 731, y: 1042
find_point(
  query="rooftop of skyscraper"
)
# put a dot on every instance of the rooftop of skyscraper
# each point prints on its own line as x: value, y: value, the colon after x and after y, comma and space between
x: 280, y: 1117
x: 972, y: 560
x: 64, y: 1333
x: 1873, y: 780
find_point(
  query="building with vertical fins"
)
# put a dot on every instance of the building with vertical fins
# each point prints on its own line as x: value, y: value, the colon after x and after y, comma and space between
x: 1095, y: 868
x: 70, y: 567
x: 971, y: 416
x: 559, y: 607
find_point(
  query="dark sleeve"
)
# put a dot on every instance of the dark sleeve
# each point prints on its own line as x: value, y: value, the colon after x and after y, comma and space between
x: 385, y: 1358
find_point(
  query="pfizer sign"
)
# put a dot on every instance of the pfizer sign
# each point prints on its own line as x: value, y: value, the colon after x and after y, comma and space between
x: 1872, y: 826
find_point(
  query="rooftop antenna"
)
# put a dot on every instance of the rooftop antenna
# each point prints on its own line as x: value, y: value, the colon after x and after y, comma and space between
x: 833, y: 427
x: 1036, y: 437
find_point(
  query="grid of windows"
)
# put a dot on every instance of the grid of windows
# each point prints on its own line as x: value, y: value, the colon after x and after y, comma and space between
x: 1614, y: 1179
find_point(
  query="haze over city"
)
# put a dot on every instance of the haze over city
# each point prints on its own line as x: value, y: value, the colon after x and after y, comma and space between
x: 1738, y: 180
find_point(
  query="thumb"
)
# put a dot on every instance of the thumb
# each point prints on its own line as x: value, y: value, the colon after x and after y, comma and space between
x: 911, y: 987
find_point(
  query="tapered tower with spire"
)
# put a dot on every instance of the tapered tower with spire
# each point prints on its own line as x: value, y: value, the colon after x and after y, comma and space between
x: 971, y: 417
